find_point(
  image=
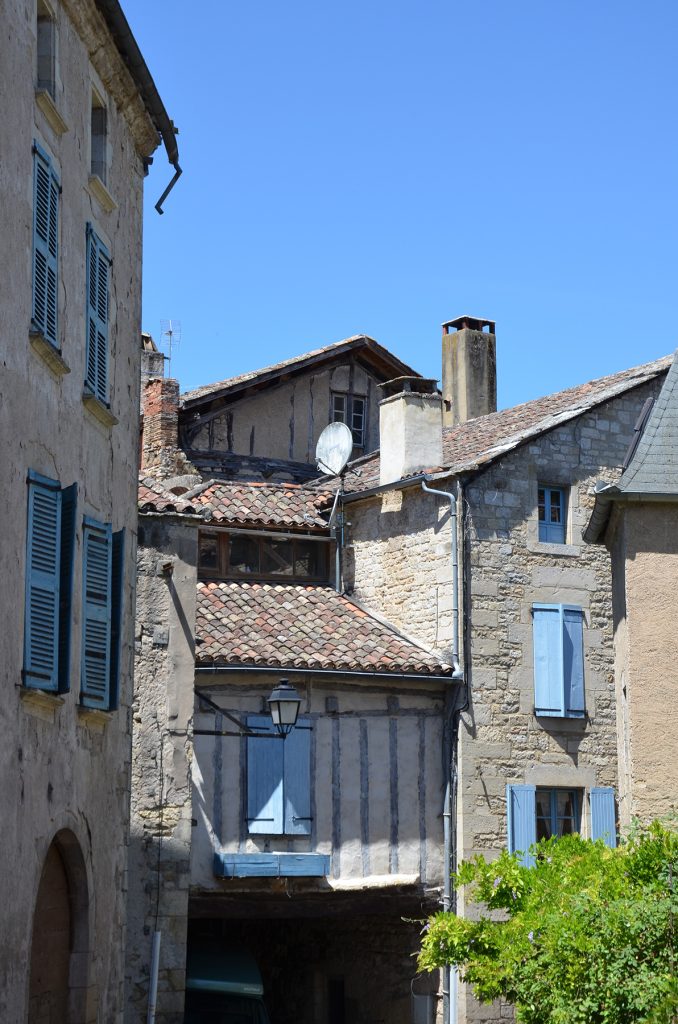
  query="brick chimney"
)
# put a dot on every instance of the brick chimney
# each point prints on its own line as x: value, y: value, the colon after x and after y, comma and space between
x: 160, y: 435
x: 410, y: 428
x: 469, y: 369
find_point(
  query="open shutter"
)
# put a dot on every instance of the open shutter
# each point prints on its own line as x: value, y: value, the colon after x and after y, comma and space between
x: 297, y: 780
x: 521, y: 808
x: 96, y: 637
x: 69, y: 496
x: 573, y: 662
x: 603, y: 819
x: 264, y: 780
x: 117, y: 590
x: 98, y: 264
x: 41, y: 635
x: 548, y: 660
x: 45, y: 245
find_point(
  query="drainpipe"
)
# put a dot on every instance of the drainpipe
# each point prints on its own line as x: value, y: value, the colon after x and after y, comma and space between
x: 153, y: 986
x: 338, y: 539
x: 450, y: 730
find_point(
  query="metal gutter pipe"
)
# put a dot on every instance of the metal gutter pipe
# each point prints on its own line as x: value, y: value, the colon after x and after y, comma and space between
x: 292, y: 670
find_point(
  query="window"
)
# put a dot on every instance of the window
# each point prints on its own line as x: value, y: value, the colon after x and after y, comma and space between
x: 98, y: 159
x: 350, y: 409
x: 534, y: 814
x: 96, y: 368
x: 240, y: 555
x: 279, y: 780
x: 49, y: 583
x: 558, y: 661
x: 552, y: 509
x: 45, y: 245
x: 46, y: 32
x: 102, y: 612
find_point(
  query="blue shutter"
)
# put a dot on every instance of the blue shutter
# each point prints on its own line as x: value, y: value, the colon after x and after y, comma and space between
x: 96, y: 368
x: 548, y: 660
x: 45, y: 246
x: 603, y: 819
x: 573, y: 662
x: 69, y: 497
x: 117, y: 596
x: 264, y: 780
x: 96, y: 634
x: 521, y: 809
x: 41, y: 632
x: 297, y: 780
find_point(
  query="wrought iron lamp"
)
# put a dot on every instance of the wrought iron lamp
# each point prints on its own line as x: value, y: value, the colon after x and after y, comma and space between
x: 284, y: 704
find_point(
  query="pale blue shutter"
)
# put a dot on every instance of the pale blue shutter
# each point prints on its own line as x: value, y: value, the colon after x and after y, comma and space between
x: 69, y: 496
x: 521, y: 809
x: 98, y: 264
x: 264, y: 780
x: 603, y: 819
x: 573, y: 662
x: 548, y: 660
x: 297, y: 780
x: 117, y: 596
x: 96, y: 635
x: 45, y: 246
x: 41, y: 632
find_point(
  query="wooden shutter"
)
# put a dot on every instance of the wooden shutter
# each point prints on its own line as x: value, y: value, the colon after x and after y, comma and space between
x: 69, y: 497
x: 548, y: 660
x: 117, y: 596
x: 98, y: 265
x: 41, y: 632
x: 264, y: 780
x: 45, y: 246
x: 96, y: 636
x: 521, y: 809
x: 603, y: 818
x: 573, y: 662
x: 297, y: 780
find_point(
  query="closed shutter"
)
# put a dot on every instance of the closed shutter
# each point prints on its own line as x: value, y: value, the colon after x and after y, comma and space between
x: 41, y: 634
x: 96, y: 637
x: 45, y: 246
x: 98, y: 265
x: 117, y: 593
x: 548, y: 660
x: 603, y: 819
x: 69, y: 496
x: 521, y: 809
x: 573, y: 662
x: 297, y: 780
x: 264, y: 780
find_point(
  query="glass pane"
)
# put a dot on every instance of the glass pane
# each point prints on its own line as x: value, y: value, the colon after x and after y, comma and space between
x: 543, y: 829
x: 208, y: 556
x: 309, y: 559
x: 358, y: 420
x: 243, y: 555
x: 555, y: 506
x: 277, y: 558
x: 541, y: 503
x: 339, y: 408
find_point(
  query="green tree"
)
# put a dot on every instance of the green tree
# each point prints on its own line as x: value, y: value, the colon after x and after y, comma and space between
x: 586, y: 936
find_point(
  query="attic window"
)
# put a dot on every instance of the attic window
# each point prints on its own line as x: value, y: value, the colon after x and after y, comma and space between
x: 350, y: 409
x: 247, y: 556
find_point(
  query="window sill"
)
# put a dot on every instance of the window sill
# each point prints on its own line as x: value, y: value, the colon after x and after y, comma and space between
x: 540, y: 547
x: 50, y: 355
x: 41, y: 703
x: 101, y: 194
x: 96, y: 407
x: 93, y: 718
x: 48, y: 107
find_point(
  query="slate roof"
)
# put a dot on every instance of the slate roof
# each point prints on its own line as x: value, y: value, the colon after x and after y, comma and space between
x: 353, y: 344
x: 478, y: 442
x: 298, y: 627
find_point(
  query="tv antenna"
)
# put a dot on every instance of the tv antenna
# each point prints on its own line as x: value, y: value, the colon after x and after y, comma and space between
x: 170, y: 331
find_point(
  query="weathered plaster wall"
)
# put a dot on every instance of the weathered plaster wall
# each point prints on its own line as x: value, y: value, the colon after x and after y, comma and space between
x: 62, y: 767
x: 285, y: 422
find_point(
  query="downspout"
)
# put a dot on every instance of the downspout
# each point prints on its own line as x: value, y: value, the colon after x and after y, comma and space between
x: 450, y: 731
x: 338, y: 540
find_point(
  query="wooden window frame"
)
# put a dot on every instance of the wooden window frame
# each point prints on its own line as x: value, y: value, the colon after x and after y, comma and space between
x: 348, y: 414
x: 550, y: 532
x: 553, y: 817
x: 223, y: 570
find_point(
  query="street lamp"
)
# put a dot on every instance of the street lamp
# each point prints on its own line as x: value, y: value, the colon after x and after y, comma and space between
x: 284, y: 704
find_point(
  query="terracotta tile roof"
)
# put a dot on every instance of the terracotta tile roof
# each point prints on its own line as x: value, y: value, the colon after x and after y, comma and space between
x: 276, y: 505
x: 357, y: 341
x: 153, y: 497
x: 480, y: 441
x: 300, y: 627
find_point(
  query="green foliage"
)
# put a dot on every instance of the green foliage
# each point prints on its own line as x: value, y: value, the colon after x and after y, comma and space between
x: 586, y: 936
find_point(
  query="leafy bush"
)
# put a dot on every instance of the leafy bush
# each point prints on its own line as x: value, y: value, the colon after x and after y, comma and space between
x: 587, y: 936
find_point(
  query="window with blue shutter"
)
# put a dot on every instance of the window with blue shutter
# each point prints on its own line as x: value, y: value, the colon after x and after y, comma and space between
x: 521, y: 821
x: 558, y: 661
x: 603, y: 817
x: 117, y: 598
x: 96, y: 348
x: 552, y: 514
x: 69, y: 498
x: 41, y: 630
x: 96, y: 632
x: 279, y: 780
x: 45, y: 246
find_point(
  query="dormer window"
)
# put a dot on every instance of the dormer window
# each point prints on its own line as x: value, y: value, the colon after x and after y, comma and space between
x: 251, y: 556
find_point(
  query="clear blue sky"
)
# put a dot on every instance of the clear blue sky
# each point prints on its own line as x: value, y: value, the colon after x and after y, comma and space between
x: 377, y: 166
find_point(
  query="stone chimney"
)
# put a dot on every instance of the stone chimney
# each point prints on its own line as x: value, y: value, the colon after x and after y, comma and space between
x: 160, y: 435
x: 469, y: 369
x: 410, y: 428
x: 152, y: 361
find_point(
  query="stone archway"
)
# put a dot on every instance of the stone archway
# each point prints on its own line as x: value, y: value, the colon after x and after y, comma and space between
x: 60, y: 940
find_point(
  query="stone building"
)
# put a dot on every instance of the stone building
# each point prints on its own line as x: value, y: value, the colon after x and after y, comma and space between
x: 637, y: 520
x: 80, y: 120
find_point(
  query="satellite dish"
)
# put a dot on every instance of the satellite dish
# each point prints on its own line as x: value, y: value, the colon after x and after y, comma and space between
x: 334, y: 448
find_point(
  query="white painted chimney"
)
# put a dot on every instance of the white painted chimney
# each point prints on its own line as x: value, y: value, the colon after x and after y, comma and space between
x: 410, y: 428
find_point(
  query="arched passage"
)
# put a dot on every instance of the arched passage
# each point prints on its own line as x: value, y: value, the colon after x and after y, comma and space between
x: 60, y: 938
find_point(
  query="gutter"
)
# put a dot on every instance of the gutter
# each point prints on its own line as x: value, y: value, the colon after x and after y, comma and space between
x: 128, y: 48
x: 293, y: 670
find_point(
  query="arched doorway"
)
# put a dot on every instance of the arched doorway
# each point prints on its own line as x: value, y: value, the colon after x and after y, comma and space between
x: 57, y: 987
